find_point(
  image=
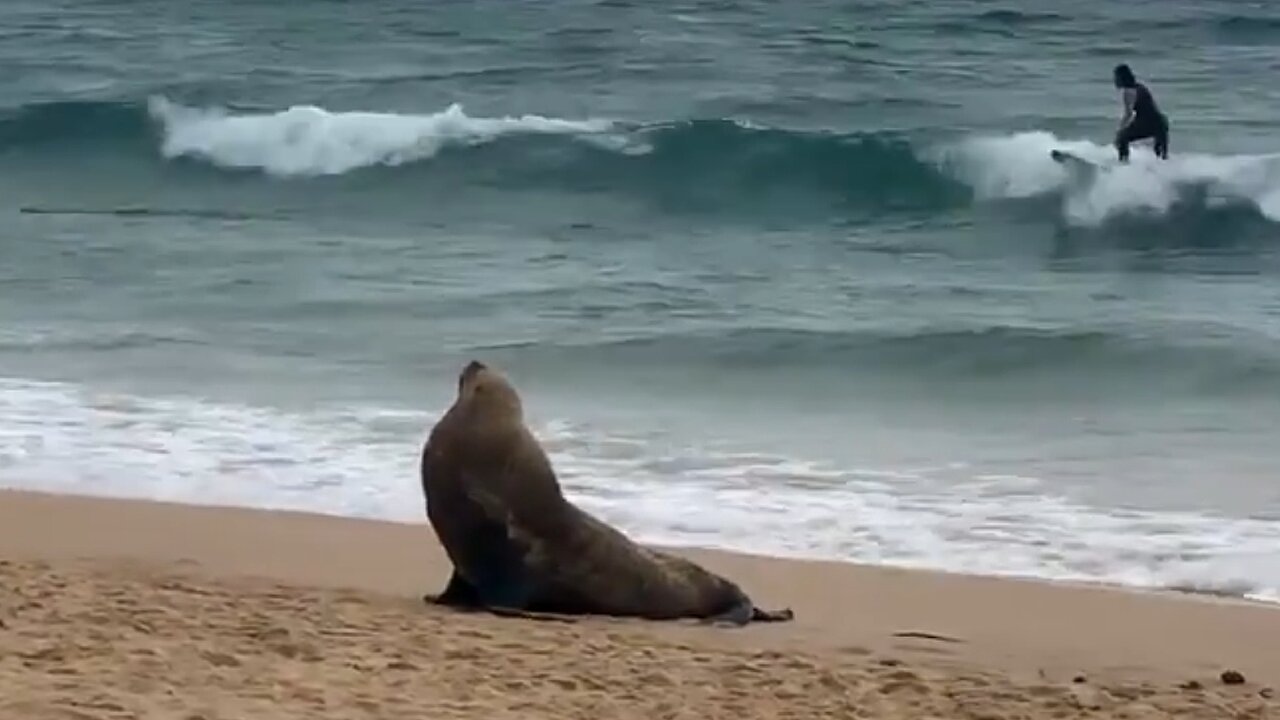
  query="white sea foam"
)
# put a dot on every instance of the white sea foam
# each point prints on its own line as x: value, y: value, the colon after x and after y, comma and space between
x: 1019, y: 166
x: 362, y: 462
x: 309, y: 140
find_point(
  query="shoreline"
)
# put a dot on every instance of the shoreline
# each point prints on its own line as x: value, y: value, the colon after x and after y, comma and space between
x: 746, y: 554
x: 128, y: 546
x: 157, y: 608
x: 954, y: 522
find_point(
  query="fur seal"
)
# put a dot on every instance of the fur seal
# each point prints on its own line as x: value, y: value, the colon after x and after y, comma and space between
x: 519, y: 547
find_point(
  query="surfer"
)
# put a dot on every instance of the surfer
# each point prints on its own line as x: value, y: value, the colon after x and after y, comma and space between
x: 1142, y: 118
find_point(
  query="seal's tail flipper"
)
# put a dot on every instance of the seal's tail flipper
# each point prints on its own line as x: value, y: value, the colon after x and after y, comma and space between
x: 736, y: 616
x: 783, y: 615
x: 745, y: 612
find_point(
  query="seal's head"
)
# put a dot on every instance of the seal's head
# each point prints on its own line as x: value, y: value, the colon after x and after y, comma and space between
x: 486, y: 392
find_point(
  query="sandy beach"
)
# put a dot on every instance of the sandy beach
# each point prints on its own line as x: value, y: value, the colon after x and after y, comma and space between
x: 130, y: 609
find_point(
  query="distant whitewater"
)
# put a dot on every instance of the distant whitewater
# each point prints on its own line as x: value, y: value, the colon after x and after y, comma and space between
x: 312, y: 141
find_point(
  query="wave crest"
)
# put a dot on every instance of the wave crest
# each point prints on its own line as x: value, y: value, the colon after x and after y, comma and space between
x: 308, y: 140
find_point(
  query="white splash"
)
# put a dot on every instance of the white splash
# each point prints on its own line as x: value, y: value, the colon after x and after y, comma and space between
x: 1019, y: 166
x: 60, y: 437
x: 308, y: 140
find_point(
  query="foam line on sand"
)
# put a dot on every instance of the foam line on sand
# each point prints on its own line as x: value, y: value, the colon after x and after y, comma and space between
x: 132, y: 609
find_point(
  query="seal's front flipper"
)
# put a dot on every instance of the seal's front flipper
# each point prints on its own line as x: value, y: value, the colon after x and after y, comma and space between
x: 504, y: 585
x: 531, y: 615
x: 501, y: 590
x: 497, y: 569
x: 458, y: 593
x: 495, y: 557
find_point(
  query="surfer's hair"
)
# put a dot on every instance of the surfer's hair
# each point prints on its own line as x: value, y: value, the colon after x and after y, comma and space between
x: 1124, y: 76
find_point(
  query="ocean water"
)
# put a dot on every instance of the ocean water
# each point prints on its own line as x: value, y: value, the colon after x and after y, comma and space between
x: 795, y: 279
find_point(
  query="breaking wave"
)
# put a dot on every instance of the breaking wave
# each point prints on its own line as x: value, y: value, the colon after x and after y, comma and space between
x: 717, y: 164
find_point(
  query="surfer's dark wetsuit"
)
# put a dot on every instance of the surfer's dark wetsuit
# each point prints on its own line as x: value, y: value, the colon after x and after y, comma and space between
x: 1147, y: 120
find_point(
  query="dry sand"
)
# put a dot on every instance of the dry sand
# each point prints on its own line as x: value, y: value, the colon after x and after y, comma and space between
x: 121, y: 609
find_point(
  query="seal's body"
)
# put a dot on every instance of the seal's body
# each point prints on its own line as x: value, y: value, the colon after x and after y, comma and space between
x: 519, y: 546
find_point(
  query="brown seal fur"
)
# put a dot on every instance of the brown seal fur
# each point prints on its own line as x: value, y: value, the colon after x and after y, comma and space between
x: 518, y: 546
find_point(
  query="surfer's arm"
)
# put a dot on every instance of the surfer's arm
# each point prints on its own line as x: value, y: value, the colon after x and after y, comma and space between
x: 1129, y: 96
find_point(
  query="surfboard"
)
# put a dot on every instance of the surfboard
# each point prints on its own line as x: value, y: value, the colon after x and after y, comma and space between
x: 1065, y: 157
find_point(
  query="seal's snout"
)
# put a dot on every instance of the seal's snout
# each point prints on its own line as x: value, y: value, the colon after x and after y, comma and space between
x: 472, y: 368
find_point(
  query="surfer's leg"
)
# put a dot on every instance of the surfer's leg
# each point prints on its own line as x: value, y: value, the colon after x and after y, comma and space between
x: 1122, y: 144
x: 1161, y: 146
x: 1130, y: 134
